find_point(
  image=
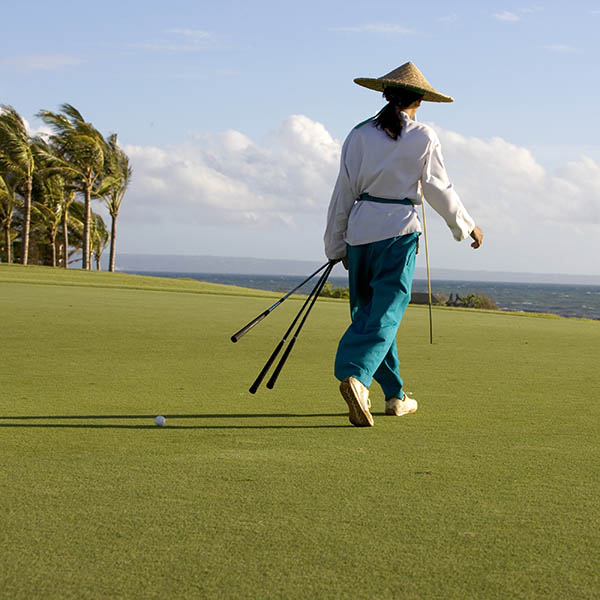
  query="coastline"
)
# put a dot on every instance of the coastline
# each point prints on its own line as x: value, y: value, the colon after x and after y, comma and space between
x: 579, y: 301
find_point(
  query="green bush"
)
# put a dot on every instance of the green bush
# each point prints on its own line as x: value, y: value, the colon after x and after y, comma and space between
x: 329, y: 291
x: 477, y: 301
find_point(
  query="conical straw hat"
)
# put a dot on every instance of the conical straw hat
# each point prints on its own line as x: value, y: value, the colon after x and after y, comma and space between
x: 407, y: 76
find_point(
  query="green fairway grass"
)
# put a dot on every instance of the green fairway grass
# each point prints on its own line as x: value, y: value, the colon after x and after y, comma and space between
x: 490, y: 490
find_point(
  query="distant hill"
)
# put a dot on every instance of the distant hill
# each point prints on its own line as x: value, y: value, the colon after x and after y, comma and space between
x: 263, y: 266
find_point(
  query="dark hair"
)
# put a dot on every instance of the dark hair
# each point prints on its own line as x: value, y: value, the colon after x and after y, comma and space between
x: 387, y: 119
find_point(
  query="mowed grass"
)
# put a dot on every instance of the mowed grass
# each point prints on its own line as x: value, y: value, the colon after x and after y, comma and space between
x: 489, y: 491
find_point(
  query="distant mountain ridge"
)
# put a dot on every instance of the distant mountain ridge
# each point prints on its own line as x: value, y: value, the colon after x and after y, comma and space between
x: 263, y: 266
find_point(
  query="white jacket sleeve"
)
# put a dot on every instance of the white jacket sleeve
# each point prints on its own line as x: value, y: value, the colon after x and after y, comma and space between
x: 342, y: 200
x: 440, y: 193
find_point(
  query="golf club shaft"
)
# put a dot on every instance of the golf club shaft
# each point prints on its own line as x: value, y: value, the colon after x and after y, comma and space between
x: 428, y: 274
x: 279, y: 346
x: 427, y: 261
x: 281, y: 363
x: 244, y: 330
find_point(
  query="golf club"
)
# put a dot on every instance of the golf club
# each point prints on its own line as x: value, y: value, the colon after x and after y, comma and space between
x: 244, y: 330
x: 427, y: 262
x: 428, y: 275
x: 279, y: 346
x: 318, y: 288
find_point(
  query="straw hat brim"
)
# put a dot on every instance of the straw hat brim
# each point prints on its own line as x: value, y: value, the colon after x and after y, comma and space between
x: 380, y: 83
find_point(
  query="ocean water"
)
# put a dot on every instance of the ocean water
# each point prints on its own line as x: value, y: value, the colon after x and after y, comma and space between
x: 565, y: 300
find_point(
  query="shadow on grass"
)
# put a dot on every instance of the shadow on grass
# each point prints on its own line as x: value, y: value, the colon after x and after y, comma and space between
x: 29, y: 418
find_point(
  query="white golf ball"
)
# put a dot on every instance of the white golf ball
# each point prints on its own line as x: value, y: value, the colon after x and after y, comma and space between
x: 160, y: 420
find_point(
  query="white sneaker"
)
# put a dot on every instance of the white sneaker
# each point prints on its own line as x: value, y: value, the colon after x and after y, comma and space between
x: 356, y: 396
x: 397, y: 407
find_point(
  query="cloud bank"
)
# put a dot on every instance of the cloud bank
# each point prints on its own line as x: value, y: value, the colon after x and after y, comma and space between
x: 229, y: 179
x: 286, y: 181
x: 505, y: 187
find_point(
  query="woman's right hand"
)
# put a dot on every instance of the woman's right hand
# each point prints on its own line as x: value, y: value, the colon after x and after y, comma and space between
x: 344, y: 261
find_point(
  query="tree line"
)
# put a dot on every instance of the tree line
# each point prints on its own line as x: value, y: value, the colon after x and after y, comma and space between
x: 47, y: 184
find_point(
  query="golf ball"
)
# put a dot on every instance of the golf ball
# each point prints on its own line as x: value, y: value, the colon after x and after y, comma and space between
x: 160, y: 420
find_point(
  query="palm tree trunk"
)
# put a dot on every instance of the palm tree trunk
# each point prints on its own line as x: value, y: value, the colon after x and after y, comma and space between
x: 53, y: 244
x: 85, y: 254
x: 27, y: 222
x: 97, y: 257
x: 113, y: 242
x: 65, y: 220
x: 8, y: 244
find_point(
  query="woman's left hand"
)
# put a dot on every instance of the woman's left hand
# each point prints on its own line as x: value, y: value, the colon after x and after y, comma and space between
x: 477, y: 235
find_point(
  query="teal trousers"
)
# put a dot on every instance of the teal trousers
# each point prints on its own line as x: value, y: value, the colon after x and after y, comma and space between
x: 380, y: 277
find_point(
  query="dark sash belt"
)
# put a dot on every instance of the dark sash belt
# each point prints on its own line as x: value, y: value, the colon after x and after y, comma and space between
x: 405, y: 201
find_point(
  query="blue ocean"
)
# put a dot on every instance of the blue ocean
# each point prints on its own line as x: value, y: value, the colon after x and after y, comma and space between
x: 560, y: 299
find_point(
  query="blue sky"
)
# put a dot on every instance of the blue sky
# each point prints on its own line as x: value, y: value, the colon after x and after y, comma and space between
x: 233, y: 113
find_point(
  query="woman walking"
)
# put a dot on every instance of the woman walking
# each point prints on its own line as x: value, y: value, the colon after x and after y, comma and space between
x: 373, y: 227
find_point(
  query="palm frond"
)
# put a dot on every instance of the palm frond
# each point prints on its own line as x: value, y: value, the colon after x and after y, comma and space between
x: 119, y: 173
x: 14, y: 157
x: 13, y: 120
x: 72, y: 113
x: 4, y: 192
x: 8, y: 166
x: 15, y: 147
x: 57, y: 122
x: 106, y: 185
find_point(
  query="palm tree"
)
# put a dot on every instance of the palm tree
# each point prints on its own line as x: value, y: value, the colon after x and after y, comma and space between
x: 75, y: 229
x: 99, y: 235
x: 48, y: 208
x: 100, y: 238
x: 8, y: 203
x: 16, y: 156
x: 112, y: 189
x: 83, y: 149
x: 68, y: 199
x: 54, y: 165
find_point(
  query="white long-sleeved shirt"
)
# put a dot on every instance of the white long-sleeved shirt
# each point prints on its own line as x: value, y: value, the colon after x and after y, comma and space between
x: 374, y: 163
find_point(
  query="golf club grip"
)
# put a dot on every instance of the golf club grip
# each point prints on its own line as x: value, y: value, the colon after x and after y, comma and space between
x: 271, y: 382
x: 244, y: 330
x: 267, y: 366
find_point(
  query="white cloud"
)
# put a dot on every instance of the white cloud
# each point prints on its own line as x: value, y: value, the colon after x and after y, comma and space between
x: 584, y: 175
x: 451, y: 18
x: 180, y: 40
x: 167, y: 47
x: 286, y: 181
x: 512, y: 17
x: 531, y: 10
x: 561, y: 48
x: 195, y: 34
x: 39, y: 63
x: 505, y: 186
x: 377, y: 28
x: 229, y: 179
x: 42, y: 130
x: 506, y: 16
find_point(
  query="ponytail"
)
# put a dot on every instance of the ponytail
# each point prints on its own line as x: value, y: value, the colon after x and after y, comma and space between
x: 387, y: 118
